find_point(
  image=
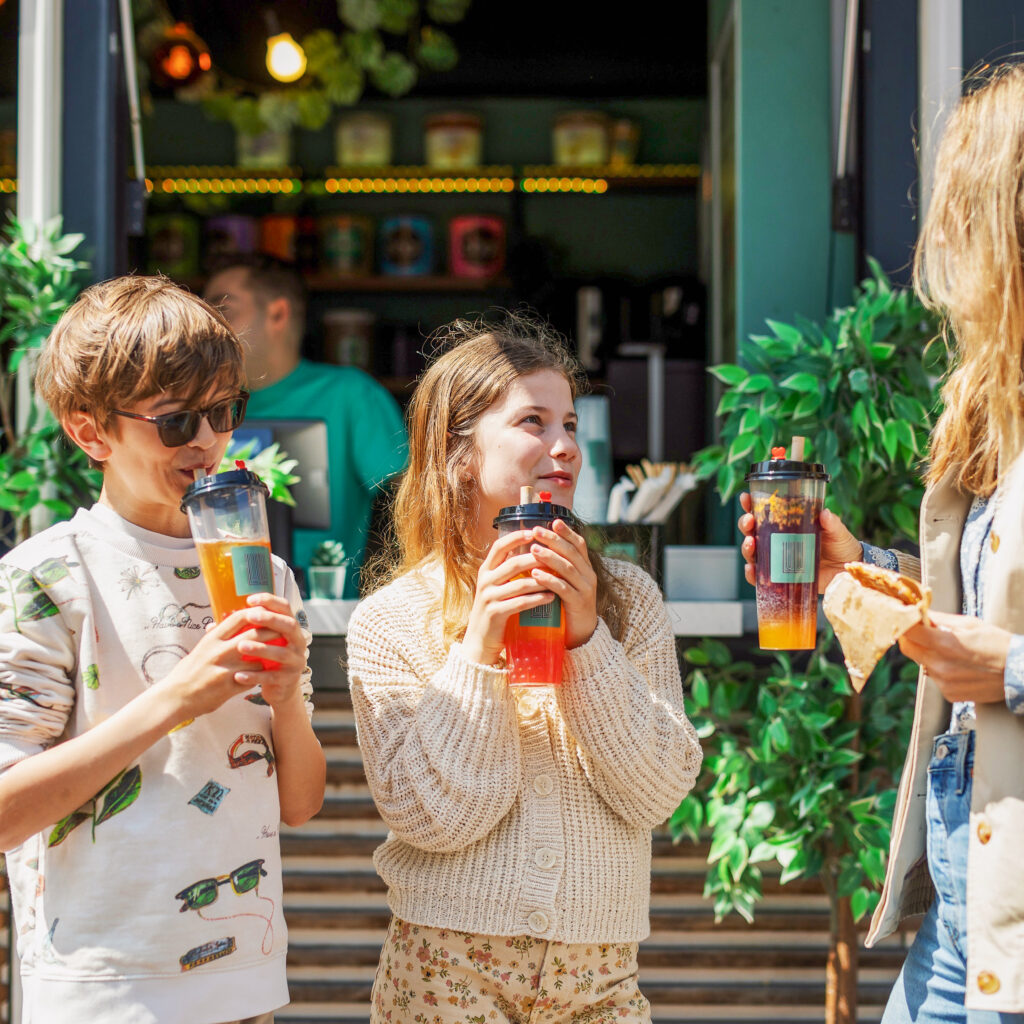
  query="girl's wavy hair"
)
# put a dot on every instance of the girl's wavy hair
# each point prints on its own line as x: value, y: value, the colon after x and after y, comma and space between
x: 969, y: 265
x: 473, y: 364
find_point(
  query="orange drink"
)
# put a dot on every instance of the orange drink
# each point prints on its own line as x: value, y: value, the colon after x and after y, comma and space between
x: 234, y: 569
x: 787, y: 498
x: 228, y: 519
x: 535, y: 653
x: 535, y: 638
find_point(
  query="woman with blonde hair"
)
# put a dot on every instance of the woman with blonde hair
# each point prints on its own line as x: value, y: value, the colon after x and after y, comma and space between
x: 518, y: 857
x: 959, y: 819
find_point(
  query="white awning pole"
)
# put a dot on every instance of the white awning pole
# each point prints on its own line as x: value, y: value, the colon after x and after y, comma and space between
x: 940, y: 64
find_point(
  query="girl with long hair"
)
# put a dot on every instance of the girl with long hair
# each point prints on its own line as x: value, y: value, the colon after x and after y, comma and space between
x: 518, y: 857
x: 959, y: 819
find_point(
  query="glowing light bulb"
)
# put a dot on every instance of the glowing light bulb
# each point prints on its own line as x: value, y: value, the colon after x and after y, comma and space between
x: 286, y: 60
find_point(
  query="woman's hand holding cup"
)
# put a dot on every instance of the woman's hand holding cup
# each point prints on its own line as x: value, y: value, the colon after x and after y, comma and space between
x: 838, y: 545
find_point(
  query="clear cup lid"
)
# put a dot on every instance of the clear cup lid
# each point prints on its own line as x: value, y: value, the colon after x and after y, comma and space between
x: 232, y: 480
x: 787, y: 469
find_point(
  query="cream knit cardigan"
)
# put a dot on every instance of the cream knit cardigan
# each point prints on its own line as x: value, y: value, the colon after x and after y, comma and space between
x: 515, y: 811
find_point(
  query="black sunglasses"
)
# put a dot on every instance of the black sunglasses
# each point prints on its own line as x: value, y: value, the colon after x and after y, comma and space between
x: 178, y: 428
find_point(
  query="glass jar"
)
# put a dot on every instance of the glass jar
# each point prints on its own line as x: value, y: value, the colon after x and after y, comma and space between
x: 363, y: 140
x: 580, y: 139
x: 454, y: 141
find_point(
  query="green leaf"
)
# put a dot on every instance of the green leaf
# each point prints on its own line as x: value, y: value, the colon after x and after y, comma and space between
x: 890, y: 439
x: 120, y: 793
x: 807, y: 406
x: 360, y: 15
x: 787, y: 332
x: 66, y: 826
x: 803, y: 382
x: 742, y: 445
x: 395, y: 75
x: 860, y: 381
x: 859, y: 418
x: 721, y: 844
x: 699, y: 690
x: 729, y: 373
x: 906, y: 520
x: 436, y: 50
x: 39, y: 607
x: 754, y: 385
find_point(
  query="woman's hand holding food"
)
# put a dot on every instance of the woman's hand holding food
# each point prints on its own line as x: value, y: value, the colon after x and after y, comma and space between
x: 964, y: 656
x: 564, y: 569
x: 838, y: 545
x: 504, y: 587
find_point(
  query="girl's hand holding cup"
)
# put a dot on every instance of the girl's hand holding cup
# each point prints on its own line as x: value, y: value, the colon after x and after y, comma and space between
x: 505, y: 587
x: 564, y: 569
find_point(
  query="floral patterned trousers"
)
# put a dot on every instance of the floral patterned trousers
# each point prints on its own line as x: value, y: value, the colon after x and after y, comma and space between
x: 438, y: 976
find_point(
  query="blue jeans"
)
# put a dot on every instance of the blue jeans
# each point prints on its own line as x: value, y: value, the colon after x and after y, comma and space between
x: 932, y: 983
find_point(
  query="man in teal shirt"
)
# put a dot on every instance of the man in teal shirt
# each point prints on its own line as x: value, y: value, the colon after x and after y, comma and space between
x: 265, y: 303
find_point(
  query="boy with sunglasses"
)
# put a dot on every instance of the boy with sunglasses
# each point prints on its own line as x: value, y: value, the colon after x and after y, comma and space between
x: 142, y: 842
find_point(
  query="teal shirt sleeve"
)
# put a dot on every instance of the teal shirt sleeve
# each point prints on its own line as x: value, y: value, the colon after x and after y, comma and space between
x: 380, y: 445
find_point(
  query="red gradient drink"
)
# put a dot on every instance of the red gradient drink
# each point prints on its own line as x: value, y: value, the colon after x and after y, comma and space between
x: 787, y: 498
x: 535, y: 638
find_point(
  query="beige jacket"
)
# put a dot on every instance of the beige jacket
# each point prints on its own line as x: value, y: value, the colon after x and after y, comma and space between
x: 995, y: 887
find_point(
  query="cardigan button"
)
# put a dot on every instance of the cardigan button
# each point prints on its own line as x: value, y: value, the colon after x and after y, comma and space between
x: 988, y: 982
x: 545, y: 858
x: 543, y: 785
x: 984, y: 832
x: 538, y: 921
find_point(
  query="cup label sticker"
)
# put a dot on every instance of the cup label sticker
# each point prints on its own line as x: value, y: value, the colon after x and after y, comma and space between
x: 250, y: 564
x: 543, y: 615
x: 792, y: 557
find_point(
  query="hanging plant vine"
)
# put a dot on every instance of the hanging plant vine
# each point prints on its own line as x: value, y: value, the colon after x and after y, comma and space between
x: 383, y: 43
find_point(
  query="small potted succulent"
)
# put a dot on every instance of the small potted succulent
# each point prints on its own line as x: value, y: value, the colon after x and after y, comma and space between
x: 327, y: 569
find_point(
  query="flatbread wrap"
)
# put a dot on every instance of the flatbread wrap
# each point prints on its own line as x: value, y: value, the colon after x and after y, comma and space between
x: 870, y: 608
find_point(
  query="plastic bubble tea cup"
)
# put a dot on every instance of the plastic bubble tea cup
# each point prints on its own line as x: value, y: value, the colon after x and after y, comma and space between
x: 227, y: 514
x: 787, y: 497
x: 535, y: 638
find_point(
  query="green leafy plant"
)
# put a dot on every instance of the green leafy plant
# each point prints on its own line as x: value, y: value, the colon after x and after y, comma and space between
x: 272, y: 465
x: 862, y: 387
x: 39, y: 467
x: 790, y: 776
x: 383, y: 43
x: 797, y: 771
x: 329, y: 552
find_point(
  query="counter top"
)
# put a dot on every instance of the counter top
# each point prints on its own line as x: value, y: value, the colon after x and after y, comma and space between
x: 688, y: 618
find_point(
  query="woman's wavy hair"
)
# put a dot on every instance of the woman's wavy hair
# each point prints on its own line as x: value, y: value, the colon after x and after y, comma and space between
x: 474, y: 364
x: 969, y: 265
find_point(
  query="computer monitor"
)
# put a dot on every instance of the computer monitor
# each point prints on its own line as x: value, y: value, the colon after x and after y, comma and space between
x: 306, y: 442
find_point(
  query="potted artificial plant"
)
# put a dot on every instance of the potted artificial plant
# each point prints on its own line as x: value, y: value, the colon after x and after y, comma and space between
x: 795, y: 769
x: 327, y: 568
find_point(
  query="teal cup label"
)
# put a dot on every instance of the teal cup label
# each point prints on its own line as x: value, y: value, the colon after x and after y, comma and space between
x: 251, y: 566
x: 543, y: 615
x: 792, y: 557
